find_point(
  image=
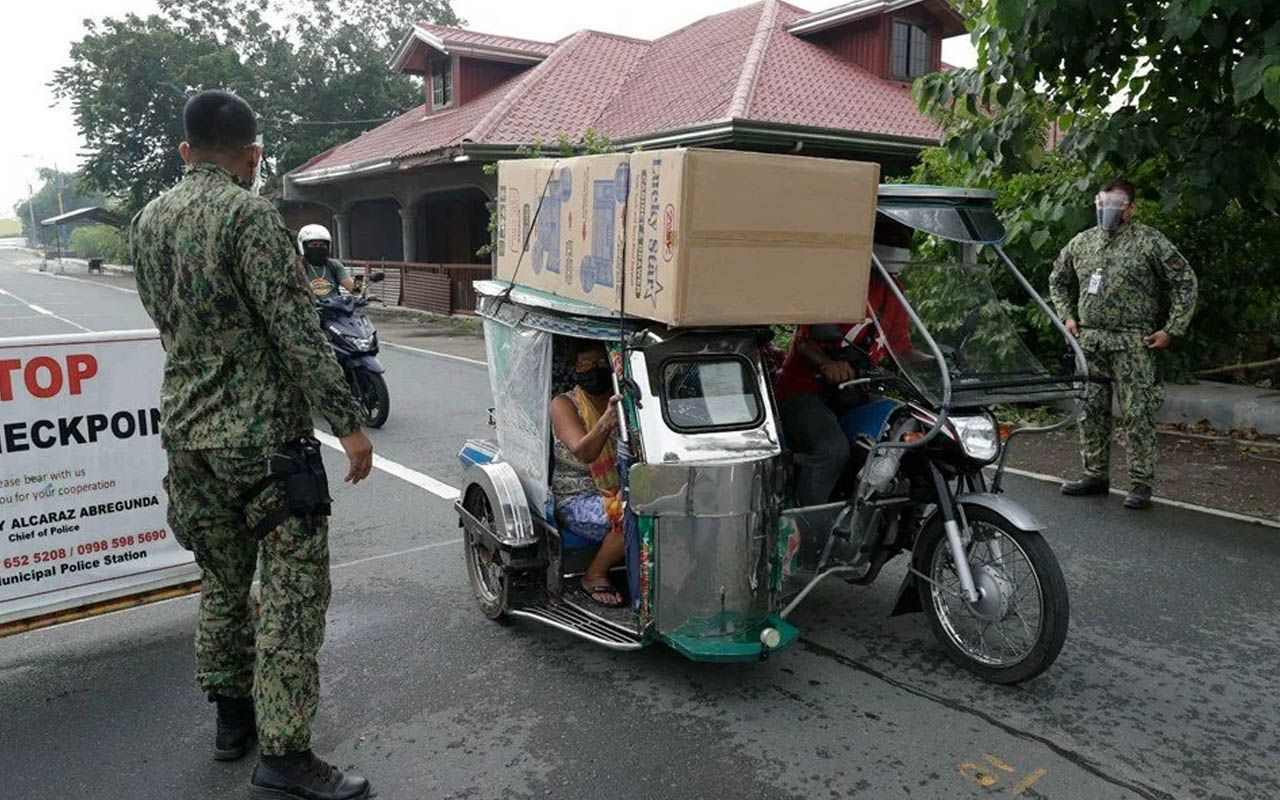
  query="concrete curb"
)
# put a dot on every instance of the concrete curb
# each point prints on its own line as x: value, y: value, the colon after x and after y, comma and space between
x: 1224, y: 406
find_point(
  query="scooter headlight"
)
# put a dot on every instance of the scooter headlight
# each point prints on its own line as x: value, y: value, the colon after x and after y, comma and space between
x: 364, y: 344
x: 977, y: 436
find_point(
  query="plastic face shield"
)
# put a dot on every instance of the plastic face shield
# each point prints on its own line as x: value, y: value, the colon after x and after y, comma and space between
x: 256, y: 186
x: 1110, y: 207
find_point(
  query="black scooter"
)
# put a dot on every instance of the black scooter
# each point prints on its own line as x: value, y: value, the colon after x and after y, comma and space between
x: 355, y: 343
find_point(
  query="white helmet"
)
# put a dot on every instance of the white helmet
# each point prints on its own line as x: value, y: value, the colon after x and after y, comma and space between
x: 313, y: 233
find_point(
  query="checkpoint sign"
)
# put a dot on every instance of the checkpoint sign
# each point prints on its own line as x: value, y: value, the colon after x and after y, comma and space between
x: 82, y: 502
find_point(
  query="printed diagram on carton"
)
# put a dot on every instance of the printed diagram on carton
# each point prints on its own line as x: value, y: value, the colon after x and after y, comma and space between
x: 606, y: 196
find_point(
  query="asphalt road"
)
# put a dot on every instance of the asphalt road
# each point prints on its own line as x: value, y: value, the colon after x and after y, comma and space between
x: 1166, y: 687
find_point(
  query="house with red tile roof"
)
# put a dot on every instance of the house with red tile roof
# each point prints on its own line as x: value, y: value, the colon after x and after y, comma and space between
x: 767, y: 76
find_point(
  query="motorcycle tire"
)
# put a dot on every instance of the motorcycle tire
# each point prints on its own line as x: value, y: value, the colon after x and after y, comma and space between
x: 374, y: 398
x: 931, y: 555
x: 490, y: 585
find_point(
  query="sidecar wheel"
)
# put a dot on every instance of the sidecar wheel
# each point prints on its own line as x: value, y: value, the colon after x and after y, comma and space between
x: 490, y: 584
x: 1017, y: 629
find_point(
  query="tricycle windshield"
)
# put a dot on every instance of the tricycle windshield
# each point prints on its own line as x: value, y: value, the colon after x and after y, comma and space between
x: 710, y: 393
x: 987, y: 360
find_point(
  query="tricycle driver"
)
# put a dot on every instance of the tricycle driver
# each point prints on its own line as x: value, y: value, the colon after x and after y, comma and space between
x: 585, y: 479
x: 818, y: 362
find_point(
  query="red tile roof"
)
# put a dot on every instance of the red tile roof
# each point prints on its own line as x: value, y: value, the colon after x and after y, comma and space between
x: 462, y: 36
x: 802, y: 83
x: 741, y: 65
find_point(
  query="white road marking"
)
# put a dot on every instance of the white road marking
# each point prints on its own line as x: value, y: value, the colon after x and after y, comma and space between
x: 1217, y: 512
x: 422, y: 481
x: 82, y: 280
x: 395, y: 346
x: 46, y: 312
x: 396, y: 554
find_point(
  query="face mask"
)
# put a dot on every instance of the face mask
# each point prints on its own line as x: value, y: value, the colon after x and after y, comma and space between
x: 894, y: 259
x: 1110, y: 210
x: 316, y: 256
x: 597, y: 380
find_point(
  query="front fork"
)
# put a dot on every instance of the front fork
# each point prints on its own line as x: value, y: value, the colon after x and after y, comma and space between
x: 952, y: 517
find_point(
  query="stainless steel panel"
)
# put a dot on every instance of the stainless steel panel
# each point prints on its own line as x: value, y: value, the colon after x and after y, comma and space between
x: 703, y: 490
x: 712, y: 573
x: 513, y: 524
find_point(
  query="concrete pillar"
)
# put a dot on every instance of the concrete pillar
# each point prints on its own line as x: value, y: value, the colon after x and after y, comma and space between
x: 342, y: 221
x: 409, y: 231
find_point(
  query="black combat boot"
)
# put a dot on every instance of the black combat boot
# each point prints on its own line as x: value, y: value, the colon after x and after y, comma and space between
x: 302, y: 776
x: 1139, y: 497
x: 1086, y: 485
x: 236, y: 727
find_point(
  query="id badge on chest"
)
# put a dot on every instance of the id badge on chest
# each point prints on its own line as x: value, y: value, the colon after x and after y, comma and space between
x: 1095, y: 282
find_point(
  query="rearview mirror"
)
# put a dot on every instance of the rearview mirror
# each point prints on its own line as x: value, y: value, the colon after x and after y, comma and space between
x: 377, y: 277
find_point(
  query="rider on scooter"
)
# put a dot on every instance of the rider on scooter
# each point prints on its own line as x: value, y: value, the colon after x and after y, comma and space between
x: 814, y: 366
x: 324, y: 273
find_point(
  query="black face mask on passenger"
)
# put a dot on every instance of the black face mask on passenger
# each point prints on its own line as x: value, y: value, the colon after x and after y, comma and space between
x: 597, y: 380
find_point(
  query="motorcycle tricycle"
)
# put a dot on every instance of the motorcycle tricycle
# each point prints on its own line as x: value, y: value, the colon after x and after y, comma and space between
x: 718, y: 555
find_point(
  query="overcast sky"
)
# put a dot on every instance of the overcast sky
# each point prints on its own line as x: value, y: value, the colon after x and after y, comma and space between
x: 35, y: 38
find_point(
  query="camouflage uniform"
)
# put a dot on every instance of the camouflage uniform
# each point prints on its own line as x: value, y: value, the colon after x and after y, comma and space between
x: 246, y: 364
x: 1135, y: 266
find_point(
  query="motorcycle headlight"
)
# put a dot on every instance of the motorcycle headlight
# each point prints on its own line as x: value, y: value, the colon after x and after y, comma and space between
x: 365, y: 343
x: 978, y: 437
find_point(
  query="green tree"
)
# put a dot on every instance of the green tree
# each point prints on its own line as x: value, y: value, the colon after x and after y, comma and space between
x: 315, y: 71
x: 1182, y: 95
x: 45, y: 200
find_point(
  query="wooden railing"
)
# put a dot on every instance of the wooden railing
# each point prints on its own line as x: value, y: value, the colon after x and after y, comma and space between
x: 439, y: 288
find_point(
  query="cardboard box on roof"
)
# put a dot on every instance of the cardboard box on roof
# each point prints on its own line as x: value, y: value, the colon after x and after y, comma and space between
x: 712, y: 237
x: 571, y: 213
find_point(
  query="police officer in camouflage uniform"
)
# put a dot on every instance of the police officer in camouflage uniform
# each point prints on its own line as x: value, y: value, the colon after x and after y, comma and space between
x: 246, y: 365
x: 1110, y: 284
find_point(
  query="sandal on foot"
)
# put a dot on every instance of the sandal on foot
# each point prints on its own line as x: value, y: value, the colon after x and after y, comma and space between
x: 595, y: 593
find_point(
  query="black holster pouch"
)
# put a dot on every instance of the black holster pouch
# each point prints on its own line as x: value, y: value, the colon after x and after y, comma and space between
x: 299, y: 470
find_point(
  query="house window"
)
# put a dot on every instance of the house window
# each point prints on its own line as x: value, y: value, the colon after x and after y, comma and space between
x: 910, y: 55
x: 441, y: 83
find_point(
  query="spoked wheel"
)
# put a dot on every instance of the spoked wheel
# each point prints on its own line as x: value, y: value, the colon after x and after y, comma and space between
x: 374, y: 398
x: 489, y: 583
x: 1017, y: 628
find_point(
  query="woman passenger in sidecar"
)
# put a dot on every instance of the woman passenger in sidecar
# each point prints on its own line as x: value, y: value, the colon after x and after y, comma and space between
x: 585, y: 479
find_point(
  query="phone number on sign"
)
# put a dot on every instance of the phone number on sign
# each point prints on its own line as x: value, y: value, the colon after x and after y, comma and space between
x: 85, y: 549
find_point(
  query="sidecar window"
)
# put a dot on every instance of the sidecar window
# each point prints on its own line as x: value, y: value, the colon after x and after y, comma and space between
x: 710, y: 394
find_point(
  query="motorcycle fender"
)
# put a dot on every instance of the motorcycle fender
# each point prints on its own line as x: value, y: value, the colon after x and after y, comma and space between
x: 1019, y: 517
x: 370, y: 363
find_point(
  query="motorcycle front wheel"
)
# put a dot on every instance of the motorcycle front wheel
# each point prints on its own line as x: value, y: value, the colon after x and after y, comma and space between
x: 1017, y: 628
x: 374, y: 398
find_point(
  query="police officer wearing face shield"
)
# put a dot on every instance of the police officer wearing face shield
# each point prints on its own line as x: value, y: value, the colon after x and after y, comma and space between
x: 324, y: 273
x: 1125, y: 292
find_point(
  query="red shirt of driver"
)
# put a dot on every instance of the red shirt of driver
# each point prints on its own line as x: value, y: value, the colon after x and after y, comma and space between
x: 797, y: 376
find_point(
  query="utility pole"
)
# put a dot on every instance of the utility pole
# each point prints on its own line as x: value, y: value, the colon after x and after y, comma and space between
x: 57, y: 229
x: 31, y: 212
x: 57, y: 175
